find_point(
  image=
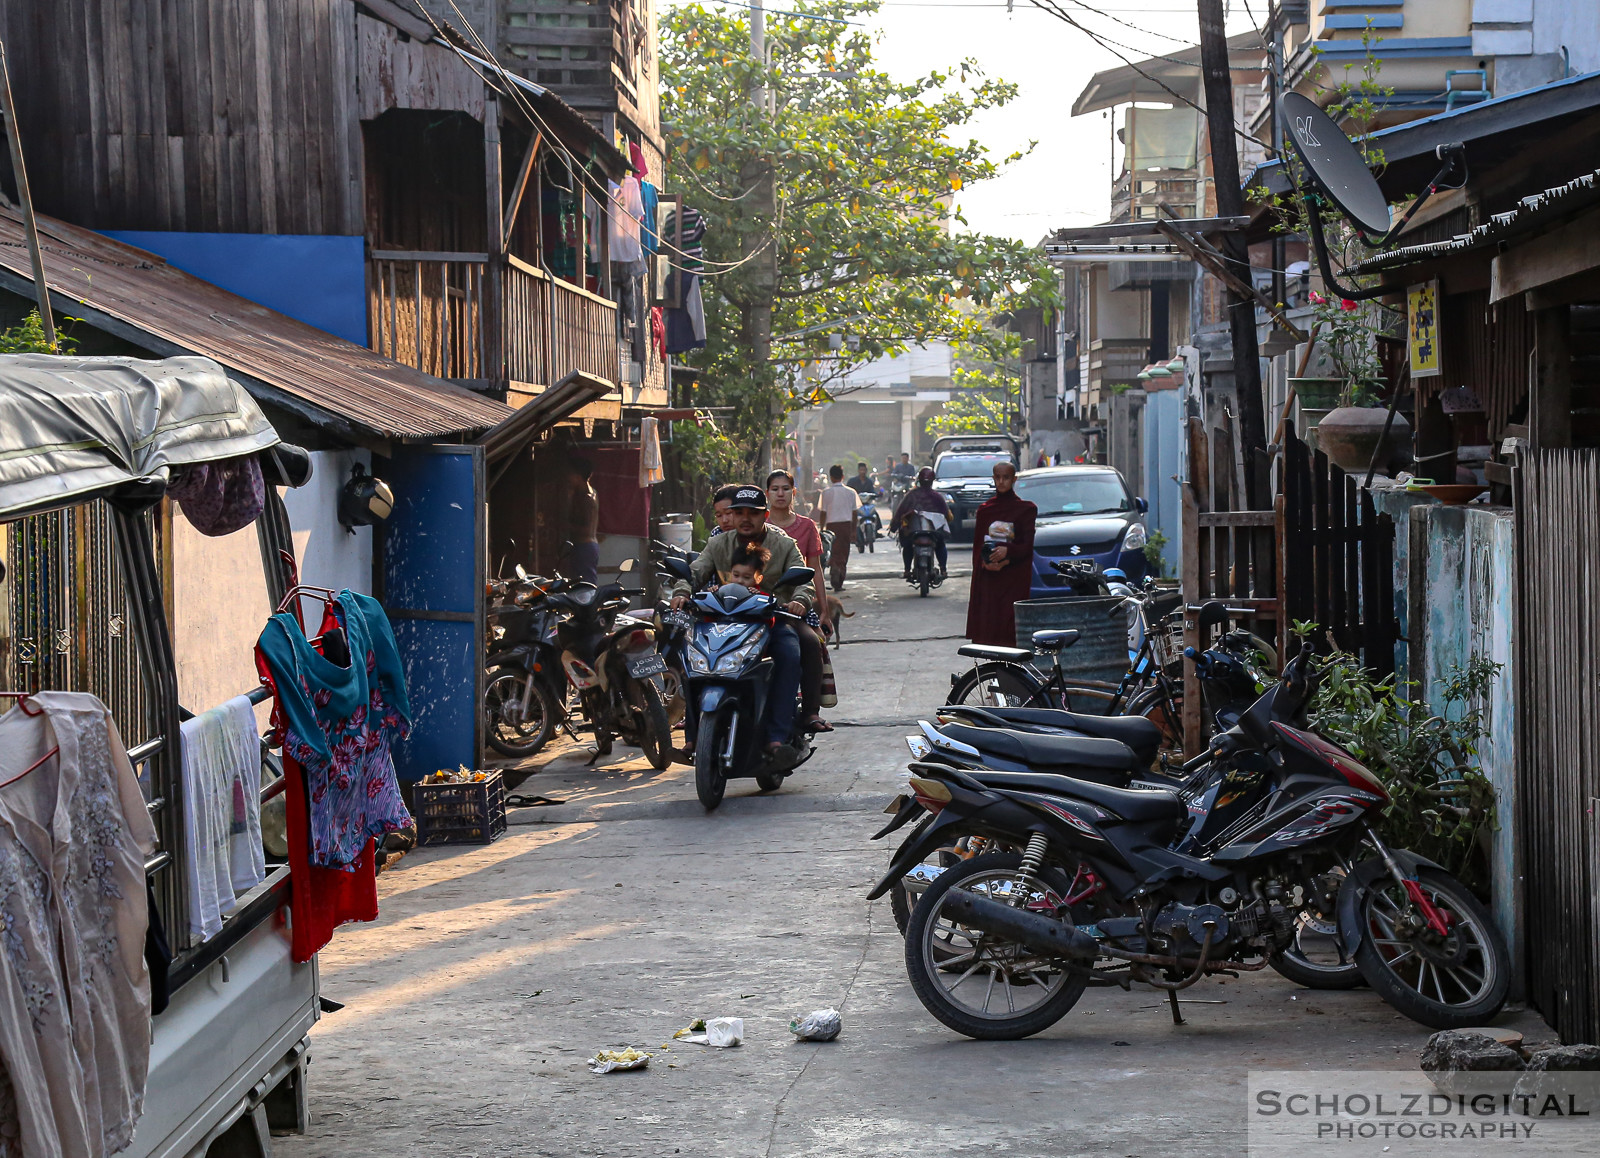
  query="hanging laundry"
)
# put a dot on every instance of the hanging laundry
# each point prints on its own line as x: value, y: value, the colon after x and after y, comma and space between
x: 337, y: 723
x: 221, y: 812
x: 219, y: 498
x: 625, y: 210
x: 651, y: 470
x: 74, y: 987
x: 690, y: 246
x: 650, y: 199
x: 658, y: 331
x: 686, y: 324
x: 321, y: 899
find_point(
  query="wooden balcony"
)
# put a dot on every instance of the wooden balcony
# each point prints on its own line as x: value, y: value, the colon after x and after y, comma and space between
x: 427, y: 310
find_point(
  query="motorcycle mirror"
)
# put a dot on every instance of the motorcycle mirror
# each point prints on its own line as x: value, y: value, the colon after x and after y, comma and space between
x: 626, y: 566
x: 795, y: 576
x: 522, y: 574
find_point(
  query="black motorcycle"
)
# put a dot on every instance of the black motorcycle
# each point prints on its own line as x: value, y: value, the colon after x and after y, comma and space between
x: 925, y: 573
x: 525, y: 690
x: 729, y: 677
x: 1002, y: 945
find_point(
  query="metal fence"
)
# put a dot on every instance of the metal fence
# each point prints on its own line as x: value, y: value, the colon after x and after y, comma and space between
x: 1557, y: 495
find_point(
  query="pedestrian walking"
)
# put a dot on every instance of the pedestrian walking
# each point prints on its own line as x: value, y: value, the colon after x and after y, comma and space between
x: 1002, y: 561
x: 838, y: 505
x: 583, y: 522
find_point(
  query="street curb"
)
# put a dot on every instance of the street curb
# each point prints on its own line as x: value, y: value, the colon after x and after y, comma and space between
x: 692, y: 809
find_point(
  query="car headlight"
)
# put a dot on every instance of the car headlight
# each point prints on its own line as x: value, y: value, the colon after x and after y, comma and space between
x: 1135, y: 539
x: 731, y: 663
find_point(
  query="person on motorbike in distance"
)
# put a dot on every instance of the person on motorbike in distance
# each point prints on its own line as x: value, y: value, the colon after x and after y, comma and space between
x: 863, y: 483
x: 904, y: 469
x: 808, y: 538
x: 749, y: 515
x: 923, y: 499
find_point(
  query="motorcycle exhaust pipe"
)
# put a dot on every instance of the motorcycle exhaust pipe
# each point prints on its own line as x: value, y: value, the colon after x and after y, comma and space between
x: 1047, y: 937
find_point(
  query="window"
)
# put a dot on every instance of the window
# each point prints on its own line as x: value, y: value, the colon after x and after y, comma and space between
x: 1089, y: 493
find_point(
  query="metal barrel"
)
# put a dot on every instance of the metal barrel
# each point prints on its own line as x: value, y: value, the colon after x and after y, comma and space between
x: 1101, y: 652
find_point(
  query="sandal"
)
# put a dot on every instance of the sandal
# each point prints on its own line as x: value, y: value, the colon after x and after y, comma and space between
x: 818, y: 724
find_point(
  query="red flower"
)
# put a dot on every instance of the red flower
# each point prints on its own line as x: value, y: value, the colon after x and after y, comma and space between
x: 1347, y: 305
x: 1317, y: 299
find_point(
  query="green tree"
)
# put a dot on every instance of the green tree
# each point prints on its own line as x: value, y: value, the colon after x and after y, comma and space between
x: 988, y: 378
x: 827, y: 204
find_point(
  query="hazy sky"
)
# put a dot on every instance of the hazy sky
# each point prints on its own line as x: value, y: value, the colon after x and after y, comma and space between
x: 1066, y: 179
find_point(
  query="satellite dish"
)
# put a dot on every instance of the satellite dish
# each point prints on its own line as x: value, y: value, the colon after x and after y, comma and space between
x: 1335, y: 164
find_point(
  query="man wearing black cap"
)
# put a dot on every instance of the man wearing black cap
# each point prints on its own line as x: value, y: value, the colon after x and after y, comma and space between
x: 748, y: 512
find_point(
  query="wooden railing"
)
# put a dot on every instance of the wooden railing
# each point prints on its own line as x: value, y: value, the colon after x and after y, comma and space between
x: 554, y: 327
x: 426, y: 310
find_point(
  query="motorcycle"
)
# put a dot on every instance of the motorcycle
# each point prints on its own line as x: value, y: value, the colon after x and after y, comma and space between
x: 729, y: 677
x: 1099, y: 875
x: 925, y: 571
x: 869, y: 525
x: 525, y: 691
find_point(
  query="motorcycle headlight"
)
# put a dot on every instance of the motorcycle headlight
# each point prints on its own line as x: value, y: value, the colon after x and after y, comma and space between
x: 1135, y: 539
x: 698, y: 663
x: 731, y: 663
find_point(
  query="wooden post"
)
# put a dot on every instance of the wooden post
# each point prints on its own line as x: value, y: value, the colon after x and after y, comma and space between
x: 521, y: 187
x: 494, y: 359
x: 30, y: 227
x: 1190, y: 587
x: 1550, y: 400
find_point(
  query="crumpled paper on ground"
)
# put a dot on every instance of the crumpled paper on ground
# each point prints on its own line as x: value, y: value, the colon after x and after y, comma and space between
x: 606, y: 1060
x: 720, y: 1032
x: 818, y: 1025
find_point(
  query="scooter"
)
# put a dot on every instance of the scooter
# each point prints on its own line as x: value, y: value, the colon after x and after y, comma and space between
x: 729, y: 680
x: 525, y: 688
x: 869, y: 525
x: 925, y: 573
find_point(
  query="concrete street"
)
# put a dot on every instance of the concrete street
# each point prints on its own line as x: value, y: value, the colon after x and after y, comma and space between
x: 618, y: 917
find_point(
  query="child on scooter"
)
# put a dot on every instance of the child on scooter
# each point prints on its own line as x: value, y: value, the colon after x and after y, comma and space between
x: 747, y: 567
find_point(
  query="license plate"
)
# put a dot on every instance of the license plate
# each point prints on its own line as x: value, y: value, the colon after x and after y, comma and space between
x: 894, y: 805
x: 646, y: 665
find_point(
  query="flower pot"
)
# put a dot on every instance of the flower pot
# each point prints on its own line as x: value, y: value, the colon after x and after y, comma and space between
x: 1307, y: 419
x: 1349, y: 434
x: 1317, y: 393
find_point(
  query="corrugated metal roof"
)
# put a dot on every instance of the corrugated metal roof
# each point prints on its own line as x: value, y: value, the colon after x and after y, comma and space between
x: 1531, y: 212
x: 330, y: 382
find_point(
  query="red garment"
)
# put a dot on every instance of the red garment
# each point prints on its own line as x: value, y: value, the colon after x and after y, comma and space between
x: 658, y: 331
x: 991, y: 613
x: 321, y: 899
x: 805, y: 534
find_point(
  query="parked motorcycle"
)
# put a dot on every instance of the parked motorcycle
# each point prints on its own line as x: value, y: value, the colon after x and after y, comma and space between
x: 577, y: 634
x: 1098, y: 877
x: 869, y: 525
x: 525, y: 692
x: 925, y: 573
x: 729, y: 677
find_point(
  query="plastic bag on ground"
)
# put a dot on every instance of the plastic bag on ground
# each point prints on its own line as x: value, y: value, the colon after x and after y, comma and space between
x: 606, y: 1060
x: 818, y: 1025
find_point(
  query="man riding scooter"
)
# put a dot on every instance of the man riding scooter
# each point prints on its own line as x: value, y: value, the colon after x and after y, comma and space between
x: 924, y: 499
x: 748, y: 511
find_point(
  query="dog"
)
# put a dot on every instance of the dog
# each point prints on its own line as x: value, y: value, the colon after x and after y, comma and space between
x: 834, y: 613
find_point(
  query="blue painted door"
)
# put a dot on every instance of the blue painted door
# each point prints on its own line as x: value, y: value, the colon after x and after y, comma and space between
x: 433, y: 580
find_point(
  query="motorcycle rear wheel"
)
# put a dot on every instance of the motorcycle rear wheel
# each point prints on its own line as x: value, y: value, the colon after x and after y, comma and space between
x: 924, y: 580
x: 710, y: 778
x: 1402, y: 964
x: 508, y: 731
x: 655, y: 731
x: 941, y: 957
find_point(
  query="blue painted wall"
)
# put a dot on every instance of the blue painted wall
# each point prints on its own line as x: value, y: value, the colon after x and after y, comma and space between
x: 1162, y: 442
x: 317, y: 279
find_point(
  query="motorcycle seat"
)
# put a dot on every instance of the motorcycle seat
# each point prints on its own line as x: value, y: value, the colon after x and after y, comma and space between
x: 1135, y: 804
x: 1055, y: 640
x: 994, y: 652
x: 1136, y: 732
x: 1042, y: 750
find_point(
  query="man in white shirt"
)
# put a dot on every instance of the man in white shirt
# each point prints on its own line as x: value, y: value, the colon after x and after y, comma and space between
x: 839, y: 505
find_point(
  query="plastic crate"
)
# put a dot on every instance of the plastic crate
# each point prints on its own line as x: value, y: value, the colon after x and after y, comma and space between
x: 473, y: 813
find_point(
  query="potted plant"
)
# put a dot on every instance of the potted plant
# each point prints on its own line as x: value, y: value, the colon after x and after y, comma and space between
x: 1351, y: 432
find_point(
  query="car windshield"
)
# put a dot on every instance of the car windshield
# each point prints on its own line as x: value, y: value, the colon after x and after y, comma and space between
x: 1096, y: 493
x: 973, y: 467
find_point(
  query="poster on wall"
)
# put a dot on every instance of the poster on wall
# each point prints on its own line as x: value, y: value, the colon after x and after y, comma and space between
x: 1422, y: 329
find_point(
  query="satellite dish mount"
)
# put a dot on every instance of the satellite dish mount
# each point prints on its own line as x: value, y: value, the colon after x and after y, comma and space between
x: 1340, y: 173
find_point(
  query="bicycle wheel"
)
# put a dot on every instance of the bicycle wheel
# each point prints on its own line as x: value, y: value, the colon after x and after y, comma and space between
x: 1153, y: 705
x: 1087, y: 701
x: 997, y: 685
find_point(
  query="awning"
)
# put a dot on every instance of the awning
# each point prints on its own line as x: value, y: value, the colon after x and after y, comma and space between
x: 540, y: 413
x: 75, y: 427
x: 328, y: 382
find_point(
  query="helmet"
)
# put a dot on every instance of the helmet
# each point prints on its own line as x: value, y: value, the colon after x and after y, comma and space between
x: 925, y: 475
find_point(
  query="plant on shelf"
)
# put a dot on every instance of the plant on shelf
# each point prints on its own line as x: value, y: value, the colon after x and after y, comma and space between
x: 1349, y: 331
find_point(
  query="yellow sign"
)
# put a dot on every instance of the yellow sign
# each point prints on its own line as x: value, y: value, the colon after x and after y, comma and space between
x: 1422, y: 329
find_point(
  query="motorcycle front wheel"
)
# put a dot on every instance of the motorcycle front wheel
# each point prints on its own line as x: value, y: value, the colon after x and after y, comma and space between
x: 511, y: 728
x: 1452, y: 981
x: 710, y: 777
x: 655, y: 731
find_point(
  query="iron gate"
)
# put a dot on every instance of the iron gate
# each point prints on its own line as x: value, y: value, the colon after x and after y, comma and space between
x: 1557, y: 499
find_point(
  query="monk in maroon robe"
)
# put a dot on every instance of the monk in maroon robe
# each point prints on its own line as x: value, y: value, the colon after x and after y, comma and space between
x: 1002, y: 561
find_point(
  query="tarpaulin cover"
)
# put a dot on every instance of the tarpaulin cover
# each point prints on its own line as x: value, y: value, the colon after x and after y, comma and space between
x: 71, y: 427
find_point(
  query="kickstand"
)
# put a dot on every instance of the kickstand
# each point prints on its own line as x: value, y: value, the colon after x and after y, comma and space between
x: 1172, y: 999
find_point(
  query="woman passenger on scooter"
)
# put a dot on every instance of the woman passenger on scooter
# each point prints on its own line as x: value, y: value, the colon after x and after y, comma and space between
x: 806, y: 536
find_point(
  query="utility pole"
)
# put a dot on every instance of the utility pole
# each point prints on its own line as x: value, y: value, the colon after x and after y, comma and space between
x: 1218, y: 81
x: 757, y: 177
x: 30, y: 227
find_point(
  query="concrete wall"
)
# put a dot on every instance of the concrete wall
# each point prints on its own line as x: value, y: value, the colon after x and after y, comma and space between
x: 329, y: 555
x: 219, y: 606
x: 1455, y: 594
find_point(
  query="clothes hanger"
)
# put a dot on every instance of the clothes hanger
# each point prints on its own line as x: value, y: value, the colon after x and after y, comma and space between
x: 28, y: 710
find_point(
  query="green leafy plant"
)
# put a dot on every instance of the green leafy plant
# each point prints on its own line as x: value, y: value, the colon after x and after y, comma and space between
x: 1442, y: 805
x: 27, y: 337
x: 1152, y: 554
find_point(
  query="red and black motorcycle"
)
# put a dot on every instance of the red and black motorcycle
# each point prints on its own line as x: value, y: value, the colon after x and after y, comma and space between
x: 1120, y: 884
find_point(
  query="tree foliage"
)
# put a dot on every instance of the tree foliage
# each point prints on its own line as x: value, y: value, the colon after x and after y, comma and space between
x: 856, y: 222
x: 988, y: 380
